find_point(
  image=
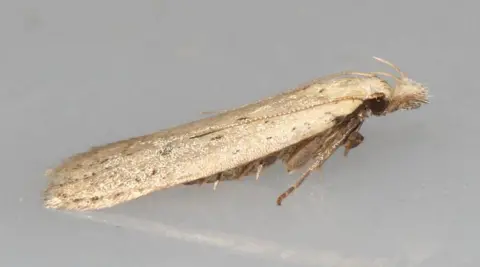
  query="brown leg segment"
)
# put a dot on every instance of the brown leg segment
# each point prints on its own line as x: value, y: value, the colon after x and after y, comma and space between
x: 353, y: 140
x: 331, y: 142
x: 304, y: 153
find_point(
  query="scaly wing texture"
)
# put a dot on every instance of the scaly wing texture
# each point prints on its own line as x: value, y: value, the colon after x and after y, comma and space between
x: 124, y: 170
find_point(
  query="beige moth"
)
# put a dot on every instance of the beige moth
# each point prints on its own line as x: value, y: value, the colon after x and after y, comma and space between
x: 301, y: 127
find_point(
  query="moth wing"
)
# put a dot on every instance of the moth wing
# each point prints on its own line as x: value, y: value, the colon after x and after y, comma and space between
x: 124, y: 170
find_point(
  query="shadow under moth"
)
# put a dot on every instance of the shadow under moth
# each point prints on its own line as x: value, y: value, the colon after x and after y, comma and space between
x: 305, y: 125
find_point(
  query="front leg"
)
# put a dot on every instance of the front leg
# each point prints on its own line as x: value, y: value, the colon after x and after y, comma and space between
x: 325, y: 145
x: 301, y: 153
x: 353, y: 140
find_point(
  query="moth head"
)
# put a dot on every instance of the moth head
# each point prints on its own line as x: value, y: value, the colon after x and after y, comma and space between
x: 407, y: 94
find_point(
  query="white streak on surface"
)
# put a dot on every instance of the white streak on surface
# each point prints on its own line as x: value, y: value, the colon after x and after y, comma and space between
x: 238, y: 244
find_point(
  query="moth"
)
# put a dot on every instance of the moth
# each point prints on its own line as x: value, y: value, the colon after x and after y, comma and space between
x: 301, y: 127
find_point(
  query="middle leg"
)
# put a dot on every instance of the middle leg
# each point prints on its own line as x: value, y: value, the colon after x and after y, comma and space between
x: 329, y: 143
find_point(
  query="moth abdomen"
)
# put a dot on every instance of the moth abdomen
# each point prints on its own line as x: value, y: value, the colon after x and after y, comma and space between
x: 238, y: 172
x: 294, y: 157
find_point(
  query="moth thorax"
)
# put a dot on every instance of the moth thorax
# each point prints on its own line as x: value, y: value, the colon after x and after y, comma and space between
x: 377, y: 104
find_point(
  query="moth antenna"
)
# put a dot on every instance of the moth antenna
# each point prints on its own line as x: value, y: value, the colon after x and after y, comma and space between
x: 388, y: 75
x: 402, y: 74
x: 366, y: 74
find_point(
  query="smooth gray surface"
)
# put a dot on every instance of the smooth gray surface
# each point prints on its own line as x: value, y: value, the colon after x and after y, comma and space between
x: 79, y: 73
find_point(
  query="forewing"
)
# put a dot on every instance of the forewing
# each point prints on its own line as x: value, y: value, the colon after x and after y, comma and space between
x: 128, y: 169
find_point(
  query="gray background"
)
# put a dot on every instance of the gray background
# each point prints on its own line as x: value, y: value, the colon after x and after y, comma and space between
x: 79, y: 73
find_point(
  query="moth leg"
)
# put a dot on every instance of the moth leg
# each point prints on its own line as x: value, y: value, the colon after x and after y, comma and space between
x: 353, y: 140
x: 303, y: 154
x: 256, y: 167
x: 251, y: 167
x: 259, y: 170
x: 215, y: 184
x: 247, y: 170
x: 330, y: 143
x: 318, y: 162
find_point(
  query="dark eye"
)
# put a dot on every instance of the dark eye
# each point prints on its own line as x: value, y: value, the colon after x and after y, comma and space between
x: 377, y: 105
